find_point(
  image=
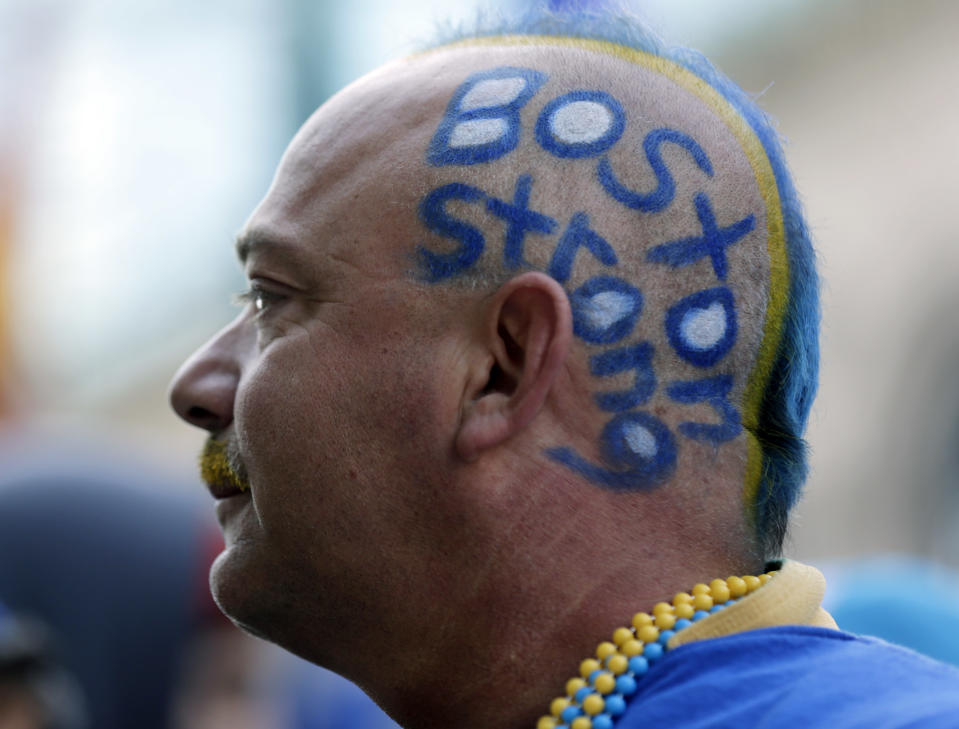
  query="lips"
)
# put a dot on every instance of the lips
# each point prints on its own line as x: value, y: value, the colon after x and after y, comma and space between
x: 220, y: 490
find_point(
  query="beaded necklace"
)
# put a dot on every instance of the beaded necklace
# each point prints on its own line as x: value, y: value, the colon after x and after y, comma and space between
x: 598, y: 696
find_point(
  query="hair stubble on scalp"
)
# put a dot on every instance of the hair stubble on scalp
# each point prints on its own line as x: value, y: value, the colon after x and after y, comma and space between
x: 793, y: 375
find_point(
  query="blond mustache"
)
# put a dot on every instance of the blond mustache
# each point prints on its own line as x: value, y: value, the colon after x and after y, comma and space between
x: 215, y: 466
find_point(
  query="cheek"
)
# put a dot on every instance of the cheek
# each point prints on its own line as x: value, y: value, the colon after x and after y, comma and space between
x: 308, y: 418
x: 365, y: 409
x: 282, y: 418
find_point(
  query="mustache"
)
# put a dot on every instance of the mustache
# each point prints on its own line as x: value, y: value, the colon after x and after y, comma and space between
x: 220, y: 463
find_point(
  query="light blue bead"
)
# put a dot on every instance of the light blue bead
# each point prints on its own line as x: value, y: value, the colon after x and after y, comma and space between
x: 699, y: 615
x: 570, y: 713
x: 594, y: 674
x: 626, y: 685
x: 652, y: 651
x: 681, y: 624
x: 602, y: 721
x: 665, y: 636
x: 582, y: 694
x: 638, y: 665
x: 615, y: 705
x: 715, y: 609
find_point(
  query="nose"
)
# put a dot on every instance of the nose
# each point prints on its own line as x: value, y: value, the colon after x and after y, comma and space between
x: 204, y: 388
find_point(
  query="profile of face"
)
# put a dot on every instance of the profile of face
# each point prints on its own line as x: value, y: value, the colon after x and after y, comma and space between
x: 361, y: 381
x: 331, y: 390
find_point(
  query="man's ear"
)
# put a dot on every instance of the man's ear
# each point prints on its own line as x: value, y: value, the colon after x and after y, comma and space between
x: 528, y: 332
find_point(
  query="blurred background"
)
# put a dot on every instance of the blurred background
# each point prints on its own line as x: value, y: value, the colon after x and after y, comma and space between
x: 136, y: 137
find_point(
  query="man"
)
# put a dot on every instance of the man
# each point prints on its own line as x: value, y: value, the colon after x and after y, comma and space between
x: 529, y: 347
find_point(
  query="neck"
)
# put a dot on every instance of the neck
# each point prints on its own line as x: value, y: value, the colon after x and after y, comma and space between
x: 501, y: 669
x: 549, y: 573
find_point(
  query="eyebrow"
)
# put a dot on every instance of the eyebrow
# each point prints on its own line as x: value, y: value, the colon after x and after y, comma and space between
x: 258, y: 241
x: 269, y: 248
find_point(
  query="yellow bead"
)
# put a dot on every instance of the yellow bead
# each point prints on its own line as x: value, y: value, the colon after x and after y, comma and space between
x: 763, y: 579
x: 605, y: 683
x: 546, y: 722
x: 588, y: 666
x: 581, y: 722
x: 737, y: 586
x: 681, y: 597
x: 557, y: 705
x: 605, y: 650
x: 720, y: 591
x: 700, y: 589
x: 702, y: 602
x: 648, y: 633
x: 661, y: 607
x: 685, y: 610
x: 574, y: 685
x: 665, y: 621
x: 641, y: 619
x: 632, y: 648
x: 593, y: 704
x: 621, y: 635
x: 617, y: 664
x: 751, y: 583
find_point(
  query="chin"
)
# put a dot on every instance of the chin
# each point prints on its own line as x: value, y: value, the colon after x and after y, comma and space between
x: 277, y: 603
x: 236, y: 591
x: 256, y: 595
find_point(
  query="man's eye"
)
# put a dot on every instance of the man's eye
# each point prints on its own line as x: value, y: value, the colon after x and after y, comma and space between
x: 260, y: 298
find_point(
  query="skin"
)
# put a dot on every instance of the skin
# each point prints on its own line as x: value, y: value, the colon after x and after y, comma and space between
x: 403, y: 525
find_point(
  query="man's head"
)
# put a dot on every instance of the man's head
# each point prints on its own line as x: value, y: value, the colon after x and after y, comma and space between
x: 510, y: 297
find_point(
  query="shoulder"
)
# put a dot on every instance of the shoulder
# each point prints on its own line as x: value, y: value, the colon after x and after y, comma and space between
x: 795, y: 676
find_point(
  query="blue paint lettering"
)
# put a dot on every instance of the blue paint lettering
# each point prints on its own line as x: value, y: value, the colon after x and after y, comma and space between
x: 638, y: 453
x: 662, y: 196
x: 715, y: 392
x: 579, y: 235
x: 702, y: 326
x: 482, y: 121
x: 432, y: 211
x: 605, y: 309
x: 637, y: 357
x: 712, y: 243
x: 580, y: 124
x: 520, y: 220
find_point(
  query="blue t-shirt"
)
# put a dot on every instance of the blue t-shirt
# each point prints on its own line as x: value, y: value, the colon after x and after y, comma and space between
x: 794, y: 677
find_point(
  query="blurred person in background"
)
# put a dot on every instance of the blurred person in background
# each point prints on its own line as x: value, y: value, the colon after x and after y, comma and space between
x: 866, y: 596
x: 113, y: 561
x: 530, y: 344
x: 35, y: 691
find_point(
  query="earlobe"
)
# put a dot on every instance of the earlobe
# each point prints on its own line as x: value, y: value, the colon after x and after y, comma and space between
x: 528, y: 334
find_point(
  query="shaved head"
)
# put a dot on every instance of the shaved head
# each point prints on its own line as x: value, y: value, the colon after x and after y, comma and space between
x: 639, y: 187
